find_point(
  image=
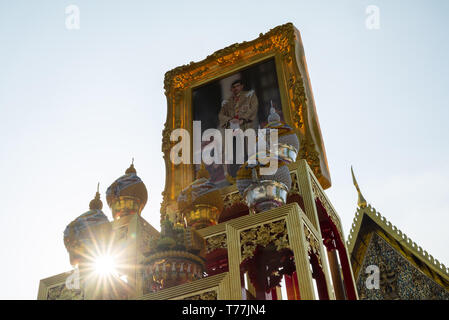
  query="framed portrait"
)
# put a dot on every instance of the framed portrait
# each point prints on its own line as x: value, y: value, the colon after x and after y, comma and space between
x: 253, y: 91
x: 251, y: 77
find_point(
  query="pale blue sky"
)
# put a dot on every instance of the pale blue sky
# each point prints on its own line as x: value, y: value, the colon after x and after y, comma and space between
x: 76, y: 106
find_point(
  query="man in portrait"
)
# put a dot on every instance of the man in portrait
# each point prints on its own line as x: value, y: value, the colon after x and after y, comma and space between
x: 238, y: 112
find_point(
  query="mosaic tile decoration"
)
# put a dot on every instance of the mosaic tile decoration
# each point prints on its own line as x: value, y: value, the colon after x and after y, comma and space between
x: 399, y: 279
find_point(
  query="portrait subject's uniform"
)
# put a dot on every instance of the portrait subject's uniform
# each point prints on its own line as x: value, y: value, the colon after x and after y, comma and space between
x: 243, y: 107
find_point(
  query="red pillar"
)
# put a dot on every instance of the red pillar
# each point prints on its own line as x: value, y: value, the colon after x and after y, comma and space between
x: 274, y: 294
x: 292, y: 287
x: 318, y: 275
x: 347, y: 274
x: 330, y: 231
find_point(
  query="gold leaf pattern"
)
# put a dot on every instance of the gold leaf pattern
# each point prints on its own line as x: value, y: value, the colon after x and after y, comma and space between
x: 273, y: 232
x: 216, y: 242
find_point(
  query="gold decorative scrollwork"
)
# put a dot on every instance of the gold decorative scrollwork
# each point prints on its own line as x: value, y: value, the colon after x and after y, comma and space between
x: 179, y: 77
x: 229, y: 59
x: 216, y: 242
x: 308, y: 151
x: 166, y: 143
x: 273, y: 232
x: 280, y: 39
x: 313, y: 245
x: 298, y: 98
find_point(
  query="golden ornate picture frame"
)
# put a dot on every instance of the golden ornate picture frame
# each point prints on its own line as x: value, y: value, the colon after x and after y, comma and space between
x: 284, y: 45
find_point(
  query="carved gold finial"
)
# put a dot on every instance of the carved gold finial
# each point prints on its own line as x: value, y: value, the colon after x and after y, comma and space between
x: 131, y: 168
x: 361, y: 202
x: 96, y: 202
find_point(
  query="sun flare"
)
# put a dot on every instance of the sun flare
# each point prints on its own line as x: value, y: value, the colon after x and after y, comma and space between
x: 105, y: 265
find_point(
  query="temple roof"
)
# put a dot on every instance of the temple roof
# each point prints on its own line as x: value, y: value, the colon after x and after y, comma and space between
x: 367, y: 220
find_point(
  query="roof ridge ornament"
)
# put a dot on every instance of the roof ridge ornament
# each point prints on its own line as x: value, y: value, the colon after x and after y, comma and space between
x: 361, y: 202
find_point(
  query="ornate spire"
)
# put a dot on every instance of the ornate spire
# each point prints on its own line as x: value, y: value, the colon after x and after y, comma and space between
x: 361, y: 202
x: 96, y: 202
x: 131, y: 168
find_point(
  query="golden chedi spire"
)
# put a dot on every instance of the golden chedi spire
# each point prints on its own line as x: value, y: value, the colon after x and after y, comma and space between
x: 127, y: 195
x: 88, y: 234
x: 361, y: 202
